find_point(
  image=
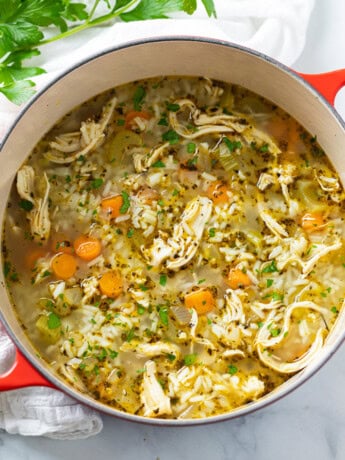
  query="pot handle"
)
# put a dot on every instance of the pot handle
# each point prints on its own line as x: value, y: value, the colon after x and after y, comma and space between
x: 22, y: 374
x: 328, y: 84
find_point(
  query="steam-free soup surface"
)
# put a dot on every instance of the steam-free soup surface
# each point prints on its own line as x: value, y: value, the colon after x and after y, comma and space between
x: 174, y: 247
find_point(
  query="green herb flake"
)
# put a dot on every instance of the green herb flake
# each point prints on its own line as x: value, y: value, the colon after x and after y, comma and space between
x: 138, y: 98
x: 7, y: 268
x: 163, y: 314
x: 264, y: 148
x: 175, y: 192
x: 212, y: 232
x: 163, y: 122
x: 232, y: 370
x: 172, y: 107
x: 232, y: 145
x: 26, y: 205
x: 97, y: 183
x: 130, y: 233
x: 269, y: 283
x: 191, y: 147
x: 126, y: 202
x: 68, y: 179
x: 158, y: 164
x: 201, y: 281
x: 163, y: 279
x: 143, y: 287
x: 112, y: 353
x: 260, y: 324
x: 271, y: 268
x: 140, y: 309
x: 334, y: 310
x: 130, y: 335
x: 190, y: 359
x: 171, y: 136
x: 54, y: 321
x: 171, y: 357
x: 274, y: 331
x: 120, y: 122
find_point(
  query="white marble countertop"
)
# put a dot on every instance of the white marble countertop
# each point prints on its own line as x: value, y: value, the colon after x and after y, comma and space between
x: 307, y: 424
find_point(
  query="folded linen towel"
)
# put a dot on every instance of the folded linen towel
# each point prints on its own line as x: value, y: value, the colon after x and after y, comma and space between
x: 275, y: 27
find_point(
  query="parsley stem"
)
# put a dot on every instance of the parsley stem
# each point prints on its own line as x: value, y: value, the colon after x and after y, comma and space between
x: 88, y: 24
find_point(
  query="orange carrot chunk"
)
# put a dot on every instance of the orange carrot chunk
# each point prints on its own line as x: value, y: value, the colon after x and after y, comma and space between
x: 237, y: 279
x: 201, y: 300
x: 312, y: 221
x: 134, y: 114
x: 32, y: 257
x: 87, y: 247
x: 217, y: 192
x: 64, y: 266
x: 111, y: 284
x: 112, y: 205
x: 60, y: 243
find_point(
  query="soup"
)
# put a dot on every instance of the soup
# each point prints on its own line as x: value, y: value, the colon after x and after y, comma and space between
x: 174, y: 247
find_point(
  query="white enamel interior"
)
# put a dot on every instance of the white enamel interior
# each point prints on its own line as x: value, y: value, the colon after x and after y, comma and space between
x: 157, y: 58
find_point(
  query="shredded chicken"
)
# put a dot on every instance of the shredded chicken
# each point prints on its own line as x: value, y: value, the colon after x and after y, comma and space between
x: 142, y: 161
x: 90, y: 136
x: 179, y: 250
x: 155, y: 401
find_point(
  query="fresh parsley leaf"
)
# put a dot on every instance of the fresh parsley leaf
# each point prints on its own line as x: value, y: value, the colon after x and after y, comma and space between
x: 138, y: 97
x: 212, y: 232
x: 130, y: 233
x: 269, y: 283
x: 210, y: 8
x: 171, y: 357
x: 189, y: 6
x: 54, y: 321
x: 126, y: 202
x: 148, y: 9
x: 19, y: 91
x: 113, y: 354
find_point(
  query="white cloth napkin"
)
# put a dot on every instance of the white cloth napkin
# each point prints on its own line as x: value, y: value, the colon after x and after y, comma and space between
x: 274, y: 27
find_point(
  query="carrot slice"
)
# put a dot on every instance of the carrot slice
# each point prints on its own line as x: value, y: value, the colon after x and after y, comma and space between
x: 112, y: 205
x: 32, y: 257
x: 312, y: 221
x: 201, y: 300
x: 111, y: 284
x: 217, y: 192
x: 64, y: 266
x: 87, y: 247
x: 237, y: 279
x: 134, y: 114
x: 60, y: 243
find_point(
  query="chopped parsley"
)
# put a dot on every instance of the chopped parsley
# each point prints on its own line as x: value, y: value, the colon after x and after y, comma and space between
x: 269, y: 283
x: 191, y: 147
x: 212, y: 232
x: 190, y: 359
x: 113, y: 354
x: 158, y: 164
x: 26, y: 205
x: 232, y: 369
x: 163, y: 122
x: 171, y: 136
x: 271, y: 268
x: 264, y: 148
x: 120, y: 122
x: 163, y: 314
x: 54, y: 321
x: 171, y: 357
x: 175, y: 192
x: 232, y: 145
x: 130, y: 335
x: 138, y: 97
x: 126, y: 202
x: 163, y: 279
x: 334, y: 310
x: 140, y: 309
x: 201, y: 281
x: 130, y: 233
x: 97, y: 183
x: 172, y: 107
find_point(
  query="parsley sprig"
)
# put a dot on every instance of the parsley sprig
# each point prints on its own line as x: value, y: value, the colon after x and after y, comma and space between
x: 27, y: 25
